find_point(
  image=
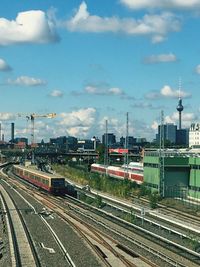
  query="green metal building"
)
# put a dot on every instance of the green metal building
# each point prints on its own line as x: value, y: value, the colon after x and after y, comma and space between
x: 194, y: 180
x: 168, y: 172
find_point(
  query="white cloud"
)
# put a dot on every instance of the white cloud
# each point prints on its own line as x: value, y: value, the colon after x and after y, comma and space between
x: 137, y: 128
x: 167, y: 92
x: 155, y: 26
x: 115, y: 125
x: 170, y: 4
x: 4, y: 66
x: 154, y: 126
x: 115, y: 91
x: 197, y: 69
x: 79, y: 122
x: 187, y: 118
x: 161, y: 58
x: 95, y: 90
x: 6, y: 116
x: 29, y: 27
x: 56, y: 93
x: 26, y: 81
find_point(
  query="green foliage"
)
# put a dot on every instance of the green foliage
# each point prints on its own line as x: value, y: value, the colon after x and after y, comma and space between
x: 153, y: 199
x: 129, y: 217
x: 85, y: 198
x: 144, y: 191
x: 98, y: 201
x: 100, y: 150
x: 121, y: 188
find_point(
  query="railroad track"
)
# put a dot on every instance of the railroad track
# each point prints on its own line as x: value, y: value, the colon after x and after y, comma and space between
x: 171, y: 261
x: 169, y: 211
x: 22, y: 248
x: 178, y: 249
x: 102, y: 243
x: 187, y: 218
x: 167, y: 222
x: 110, y: 252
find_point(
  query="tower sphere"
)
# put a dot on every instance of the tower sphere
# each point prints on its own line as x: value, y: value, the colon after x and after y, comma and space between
x: 180, y: 106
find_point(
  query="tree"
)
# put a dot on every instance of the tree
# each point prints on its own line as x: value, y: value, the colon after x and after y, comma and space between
x: 98, y: 201
x: 100, y: 150
x: 153, y: 198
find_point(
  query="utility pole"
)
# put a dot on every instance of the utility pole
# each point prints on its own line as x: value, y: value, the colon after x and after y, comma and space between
x: 106, y: 147
x: 126, y: 146
x: 162, y: 157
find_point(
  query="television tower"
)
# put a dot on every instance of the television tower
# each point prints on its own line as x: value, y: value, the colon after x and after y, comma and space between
x: 180, y: 106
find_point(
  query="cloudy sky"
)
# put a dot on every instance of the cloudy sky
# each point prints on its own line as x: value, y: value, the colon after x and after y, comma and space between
x: 91, y: 61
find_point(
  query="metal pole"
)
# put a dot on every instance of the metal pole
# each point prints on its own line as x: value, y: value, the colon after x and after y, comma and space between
x: 106, y: 147
x: 161, y: 157
x: 126, y: 147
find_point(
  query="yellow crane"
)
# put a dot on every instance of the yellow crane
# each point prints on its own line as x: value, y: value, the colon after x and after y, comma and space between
x: 32, y: 118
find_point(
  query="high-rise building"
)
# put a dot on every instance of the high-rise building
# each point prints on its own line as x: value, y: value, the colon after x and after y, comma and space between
x: 12, y: 132
x: 169, y: 134
x: 110, y: 138
x: 182, y: 137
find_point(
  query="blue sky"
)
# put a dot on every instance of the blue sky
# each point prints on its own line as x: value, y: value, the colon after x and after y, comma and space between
x: 91, y: 61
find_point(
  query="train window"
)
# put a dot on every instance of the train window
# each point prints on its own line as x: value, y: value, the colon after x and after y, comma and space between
x: 58, y: 182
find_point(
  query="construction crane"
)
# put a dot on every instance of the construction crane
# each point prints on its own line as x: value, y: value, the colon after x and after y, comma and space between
x: 32, y: 117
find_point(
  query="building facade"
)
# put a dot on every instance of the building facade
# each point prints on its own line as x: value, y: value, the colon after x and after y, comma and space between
x: 169, y: 133
x: 108, y: 139
x: 194, y: 135
x: 173, y: 173
x: 167, y: 172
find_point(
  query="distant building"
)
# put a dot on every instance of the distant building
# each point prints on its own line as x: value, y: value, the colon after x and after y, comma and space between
x: 131, y: 141
x: 20, y: 140
x: 169, y: 133
x: 122, y: 141
x: 110, y: 138
x: 20, y: 145
x: 182, y: 137
x: 65, y: 143
x: 85, y: 144
x: 194, y: 135
x: 72, y: 143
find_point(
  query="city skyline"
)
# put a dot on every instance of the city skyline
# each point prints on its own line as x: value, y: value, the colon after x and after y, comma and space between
x: 92, y: 61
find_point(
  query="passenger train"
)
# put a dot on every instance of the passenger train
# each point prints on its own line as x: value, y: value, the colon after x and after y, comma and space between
x: 54, y: 184
x: 133, y: 171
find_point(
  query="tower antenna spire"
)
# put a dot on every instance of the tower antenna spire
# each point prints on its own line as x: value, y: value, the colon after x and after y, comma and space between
x: 179, y: 87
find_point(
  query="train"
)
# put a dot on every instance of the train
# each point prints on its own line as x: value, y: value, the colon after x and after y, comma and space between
x: 132, y: 171
x: 51, y: 183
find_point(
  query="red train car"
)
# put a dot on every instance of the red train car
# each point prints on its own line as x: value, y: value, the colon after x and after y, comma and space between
x: 98, y: 168
x: 133, y: 171
x: 54, y: 184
